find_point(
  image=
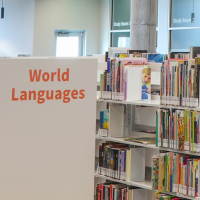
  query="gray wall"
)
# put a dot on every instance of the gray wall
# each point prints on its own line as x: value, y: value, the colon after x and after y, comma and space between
x: 65, y: 14
x: 16, y: 29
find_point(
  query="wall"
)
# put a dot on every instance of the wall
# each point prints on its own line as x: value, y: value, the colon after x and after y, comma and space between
x: 105, y: 25
x: 16, y: 29
x: 65, y: 14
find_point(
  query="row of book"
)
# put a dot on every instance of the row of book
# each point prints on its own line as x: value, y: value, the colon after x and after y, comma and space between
x: 126, y: 79
x: 178, y: 129
x: 160, y: 196
x: 177, y: 173
x: 152, y: 57
x: 180, y: 82
x: 116, y: 52
x: 117, y: 191
x: 117, y: 161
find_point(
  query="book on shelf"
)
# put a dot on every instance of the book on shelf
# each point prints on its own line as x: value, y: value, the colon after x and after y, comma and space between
x: 117, y: 191
x: 194, y: 52
x: 160, y: 196
x: 156, y: 57
x: 142, y: 140
x: 179, y: 173
x: 180, y: 82
x: 118, y: 161
x: 178, y: 129
x: 113, y: 51
x: 155, y: 172
x: 135, y: 53
x: 177, y: 55
x: 126, y: 79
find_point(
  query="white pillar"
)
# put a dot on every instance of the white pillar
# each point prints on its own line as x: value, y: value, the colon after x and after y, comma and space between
x: 143, y: 25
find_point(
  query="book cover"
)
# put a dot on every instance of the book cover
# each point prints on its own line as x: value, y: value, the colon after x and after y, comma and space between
x: 161, y: 179
x: 146, y: 83
x: 156, y: 57
x: 155, y: 172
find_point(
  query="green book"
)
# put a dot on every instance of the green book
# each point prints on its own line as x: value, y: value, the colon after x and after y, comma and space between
x: 192, y: 131
x: 101, y: 84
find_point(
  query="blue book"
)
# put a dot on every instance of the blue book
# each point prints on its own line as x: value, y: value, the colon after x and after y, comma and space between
x: 101, y: 119
x: 154, y: 57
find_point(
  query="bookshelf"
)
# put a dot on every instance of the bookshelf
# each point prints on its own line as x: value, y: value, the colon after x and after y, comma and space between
x: 141, y: 184
x: 134, y: 114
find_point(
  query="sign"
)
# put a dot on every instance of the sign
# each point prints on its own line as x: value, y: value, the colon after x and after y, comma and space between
x: 47, y: 128
x: 185, y: 13
x: 121, y: 14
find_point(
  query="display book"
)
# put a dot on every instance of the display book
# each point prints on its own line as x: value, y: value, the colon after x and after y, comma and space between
x: 123, y: 76
x: 180, y: 82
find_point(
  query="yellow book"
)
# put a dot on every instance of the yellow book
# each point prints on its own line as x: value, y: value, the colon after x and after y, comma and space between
x: 128, y: 165
x: 168, y: 172
x: 161, y: 179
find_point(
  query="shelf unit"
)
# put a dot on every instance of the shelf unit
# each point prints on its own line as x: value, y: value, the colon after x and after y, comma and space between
x: 132, y: 105
x: 120, y: 140
x: 142, y: 184
x: 151, y: 103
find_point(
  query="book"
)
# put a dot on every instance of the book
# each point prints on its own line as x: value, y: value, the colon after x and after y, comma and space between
x: 135, y: 53
x: 194, y: 51
x: 155, y: 57
x: 155, y: 172
x: 143, y: 140
x: 146, y: 83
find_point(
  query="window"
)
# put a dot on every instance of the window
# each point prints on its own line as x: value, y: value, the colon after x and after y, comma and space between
x: 185, y: 25
x: 69, y: 43
x: 120, y: 23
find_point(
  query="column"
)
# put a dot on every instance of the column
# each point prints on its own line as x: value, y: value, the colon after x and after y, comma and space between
x: 143, y: 25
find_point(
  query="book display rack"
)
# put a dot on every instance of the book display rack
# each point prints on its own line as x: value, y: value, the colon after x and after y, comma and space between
x: 164, y: 135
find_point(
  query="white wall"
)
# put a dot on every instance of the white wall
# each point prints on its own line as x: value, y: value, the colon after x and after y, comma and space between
x: 51, y: 15
x: 16, y: 29
x: 104, y: 25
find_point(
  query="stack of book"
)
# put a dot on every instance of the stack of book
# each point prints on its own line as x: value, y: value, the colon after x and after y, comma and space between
x: 123, y: 76
x: 117, y: 161
x: 180, y: 82
x: 178, y: 173
x: 178, y: 129
x: 160, y: 196
x: 116, y: 191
